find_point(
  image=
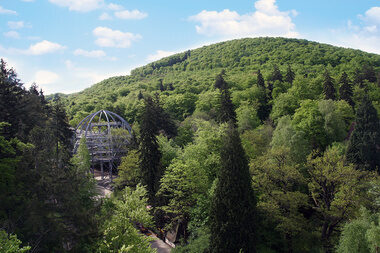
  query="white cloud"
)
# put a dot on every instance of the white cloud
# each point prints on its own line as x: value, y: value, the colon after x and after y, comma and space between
x: 43, y: 77
x: 373, y: 15
x: 107, y: 37
x: 267, y: 20
x: 6, y: 11
x: 114, y: 7
x: 134, y: 14
x: 105, y: 16
x: 158, y: 55
x: 90, y: 54
x: 79, y: 5
x: 12, y: 34
x: 16, y: 24
x: 44, y: 47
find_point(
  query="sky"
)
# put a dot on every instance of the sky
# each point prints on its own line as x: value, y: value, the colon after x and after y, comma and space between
x: 68, y: 45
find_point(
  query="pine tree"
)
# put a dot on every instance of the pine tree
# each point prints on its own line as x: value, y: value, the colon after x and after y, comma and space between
x: 150, y: 155
x: 232, y: 217
x: 369, y: 73
x: 290, y: 75
x: 140, y: 95
x: 328, y: 87
x: 61, y: 127
x: 227, y: 111
x: 161, y: 85
x: 11, y: 92
x: 363, y: 148
x: 359, y: 78
x: 276, y: 74
x: 260, y: 79
x: 219, y: 81
x: 345, y: 89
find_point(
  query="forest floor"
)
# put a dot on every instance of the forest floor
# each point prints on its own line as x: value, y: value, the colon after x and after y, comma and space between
x: 104, y: 189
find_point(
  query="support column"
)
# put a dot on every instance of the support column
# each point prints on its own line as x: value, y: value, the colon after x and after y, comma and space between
x: 110, y: 169
x: 101, y: 169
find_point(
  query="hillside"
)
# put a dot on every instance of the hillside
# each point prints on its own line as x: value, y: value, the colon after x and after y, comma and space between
x: 188, y: 75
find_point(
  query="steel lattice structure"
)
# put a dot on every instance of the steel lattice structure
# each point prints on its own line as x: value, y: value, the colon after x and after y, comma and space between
x: 105, y: 142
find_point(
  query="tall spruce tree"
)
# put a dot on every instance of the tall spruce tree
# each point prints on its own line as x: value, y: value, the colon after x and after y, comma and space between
x: 290, y: 75
x: 359, y: 78
x: 328, y: 86
x: 276, y: 74
x: 232, y: 216
x: 260, y: 80
x: 369, y: 73
x: 150, y: 155
x: 227, y: 111
x: 11, y: 92
x: 345, y: 90
x: 264, y: 109
x: 364, y: 144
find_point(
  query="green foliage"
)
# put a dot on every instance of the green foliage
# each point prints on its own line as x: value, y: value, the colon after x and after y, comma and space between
x: 328, y: 87
x: 256, y: 142
x: 168, y: 149
x: 361, y: 234
x: 345, y: 90
x: 279, y: 184
x: 189, y: 176
x: 363, y: 148
x: 336, y: 189
x: 10, y: 244
x: 82, y: 159
x: 233, y: 205
x: 128, y: 170
x: 285, y: 104
x: 285, y: 135
x: 119, y: 233
x: 150, y: 155
x: 247, y: 117
x: 309, y: 120
x: 227, y: 110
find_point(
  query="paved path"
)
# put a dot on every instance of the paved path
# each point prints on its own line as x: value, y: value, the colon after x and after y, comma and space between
x: 160, y: 245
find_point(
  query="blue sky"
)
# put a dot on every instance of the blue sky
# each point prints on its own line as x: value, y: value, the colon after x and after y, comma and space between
x: 68, y: 45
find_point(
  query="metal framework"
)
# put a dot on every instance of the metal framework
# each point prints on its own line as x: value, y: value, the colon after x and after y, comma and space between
x: 105, y: 143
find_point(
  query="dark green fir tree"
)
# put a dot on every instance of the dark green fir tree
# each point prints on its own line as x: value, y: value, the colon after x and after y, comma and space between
x: 345, y: 89
x: 227, y: 110
x: 260, y: 80
x: 276, y: 74
x: 290, y: 75
x: 232, y: 216
x: 150, y: 155
x: 328, y: 86
x: 364, y: 144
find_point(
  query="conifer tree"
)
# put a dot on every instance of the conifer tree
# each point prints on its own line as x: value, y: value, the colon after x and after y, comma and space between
x: 11, y: 92
x: 227, y: 111
x: 232, y: 217
x: 328, y: 86
x: 140, y: 95
x: 359, y: 78
x: 363, y: 148
x: 369, y: 73
x: 276, y: 74
x: 290, y: 75
x: 345, y: 89
x: 260, y: 79
x: 150, y: 155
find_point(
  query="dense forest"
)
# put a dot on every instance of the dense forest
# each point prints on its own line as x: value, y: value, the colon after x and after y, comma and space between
x: 251, y: 145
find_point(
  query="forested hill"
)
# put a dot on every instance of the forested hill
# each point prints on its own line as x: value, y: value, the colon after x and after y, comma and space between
x: 183, y: 78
